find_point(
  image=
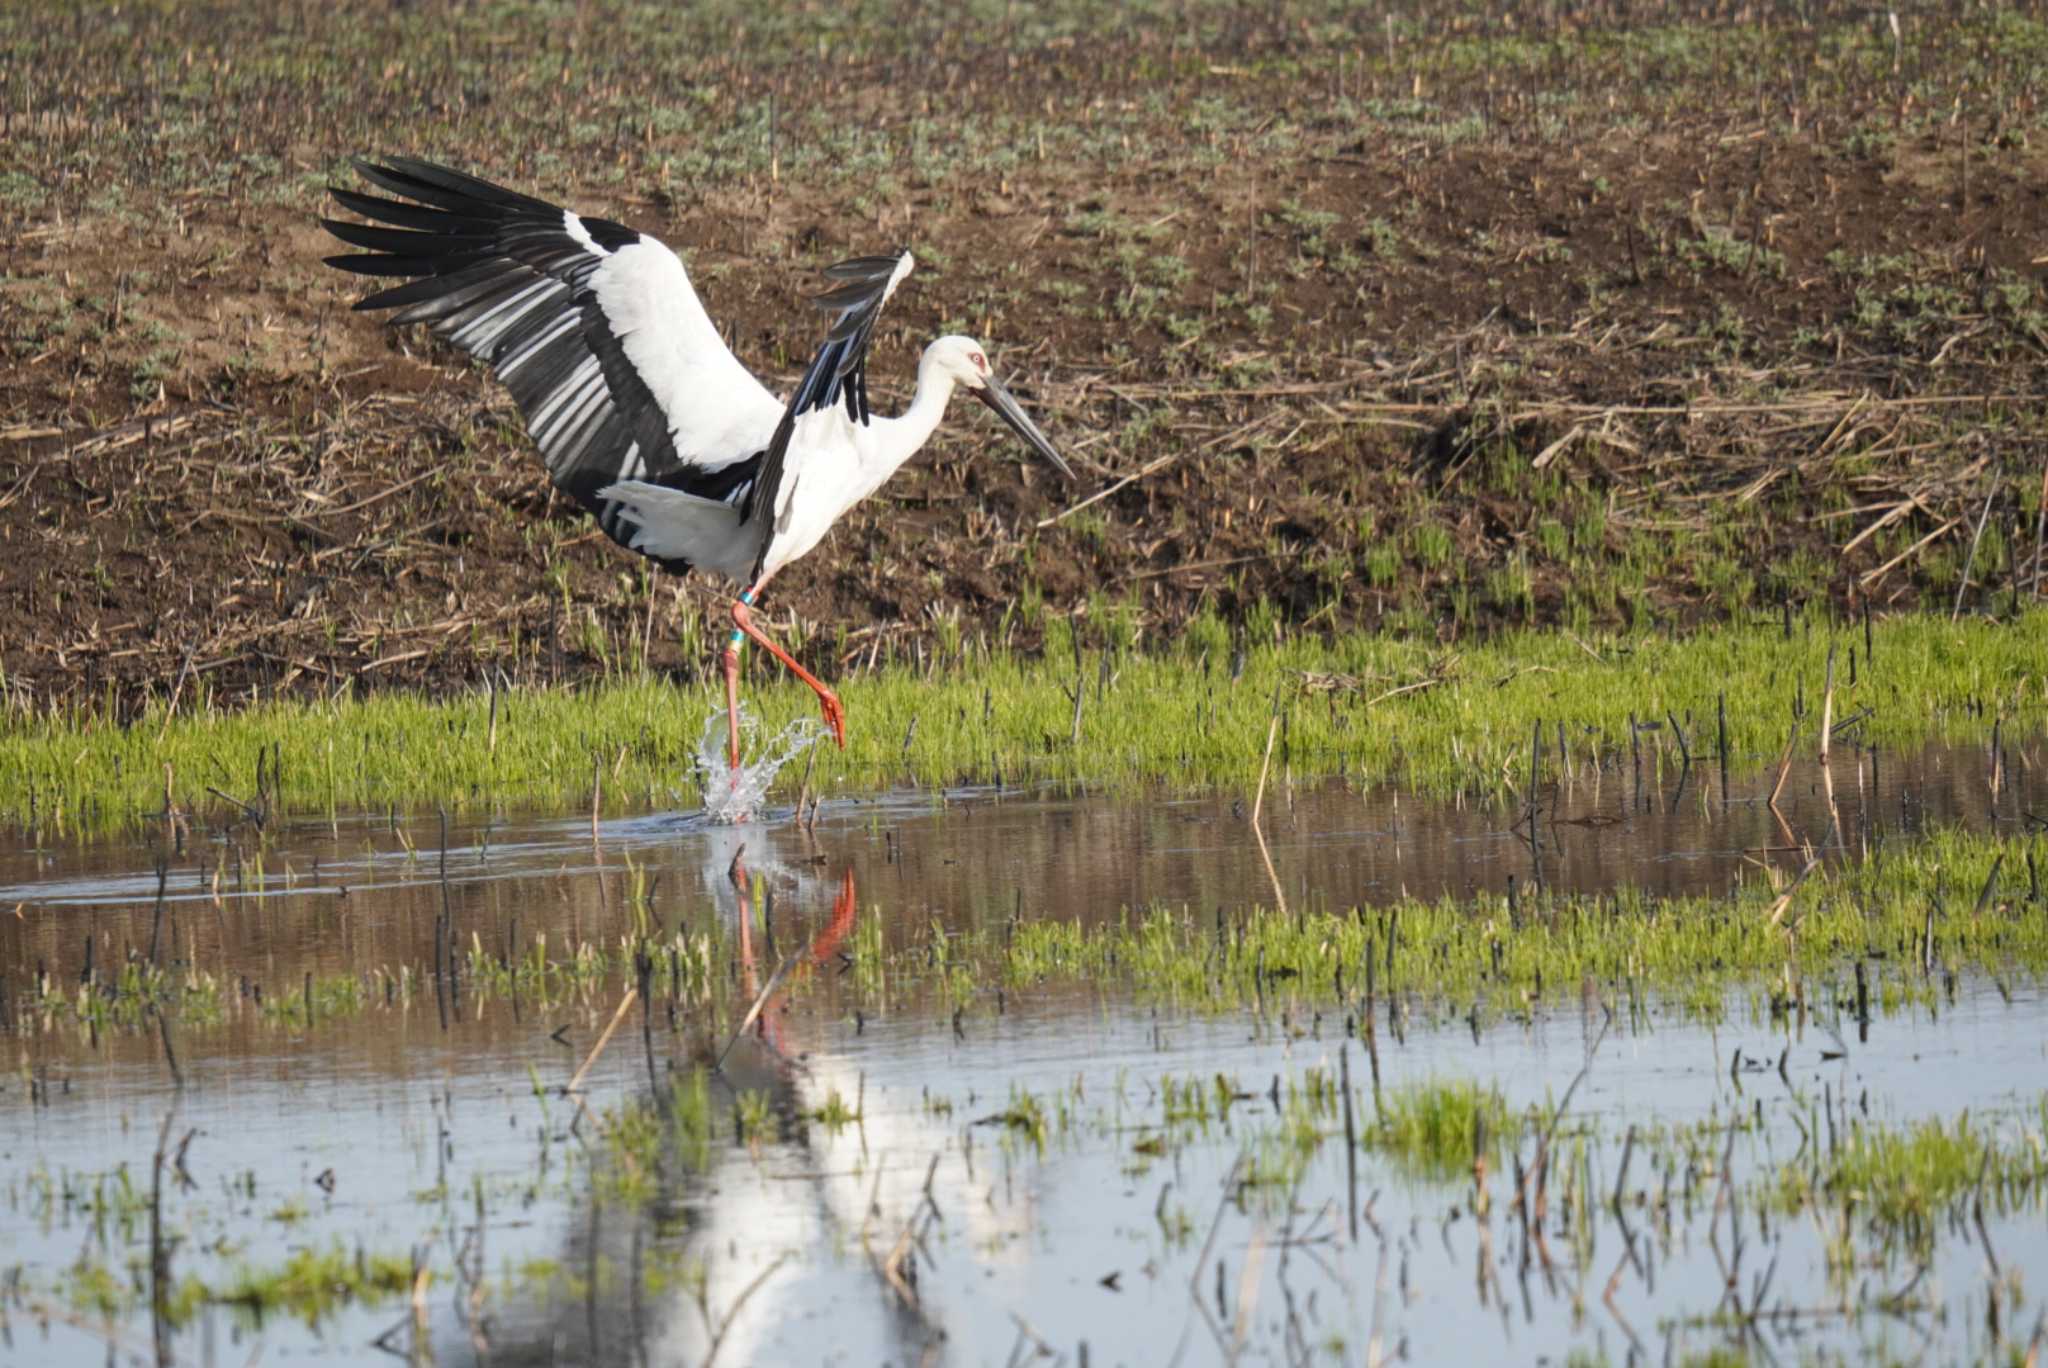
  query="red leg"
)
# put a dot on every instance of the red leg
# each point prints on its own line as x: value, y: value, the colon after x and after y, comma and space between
x: 828, y: 702
x: 743, y: 896
x: 750, y: 978
x: 836, y: 931
x: 732, y: 699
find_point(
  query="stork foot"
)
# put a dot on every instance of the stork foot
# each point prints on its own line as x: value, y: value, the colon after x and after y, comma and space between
x: 835, y: 715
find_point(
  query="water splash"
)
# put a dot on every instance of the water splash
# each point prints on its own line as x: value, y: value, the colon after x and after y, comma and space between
x: 736, y: 797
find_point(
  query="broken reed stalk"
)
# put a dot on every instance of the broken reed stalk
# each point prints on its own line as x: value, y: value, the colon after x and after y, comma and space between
x: 1970, y: 557
x: 178, y: 688
x: 1784, y: 901
x: 1550, y: 1127
x: 732, y: 1313
x: 1784, y: 767
x: 1258, y: 802
x: 907, y: 1240
x: 444, y: 941
x: 1678, y: 735
x: 159, y: 1247
x: 1350, y: 1132
x: 1990, y: 886
x: 2040, y: 531
x: 803, y: 789
x: 1635, y: 751
x: 1721, y: 721
x: 1827, y: 707
x: 156, y: 921
x: 1080, y: 689
x: 647, y: 628
x: 1628, y: 1149
x: 1229, y: 1194
x: 1535, y: 771
x: 760, y: 1001
x: 1481, y: 1200
x: 643, y: 966
x: 1827, y: 784
x: 163, y: 1031
x: 625, y: 1005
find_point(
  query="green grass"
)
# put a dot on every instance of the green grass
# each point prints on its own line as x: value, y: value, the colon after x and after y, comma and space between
x: 1315, y: 967
x: 1695, y: 951
x: 1904, y: 1180
x: 1363, y: 707
x: 309, y: 1284
x: 540, y: 973
x: 1704, y: 955
x: 1437, y: 1129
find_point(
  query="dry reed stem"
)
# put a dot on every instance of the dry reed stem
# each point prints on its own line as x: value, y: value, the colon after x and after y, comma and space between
x: 625, y: 1004
x: 1784, y: 768
x: 1827, y: 707
x: 754, y: 1012
x: 1258, y: 802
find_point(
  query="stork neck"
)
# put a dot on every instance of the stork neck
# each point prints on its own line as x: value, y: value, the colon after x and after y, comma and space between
x: 928, y: 405
x: 915, y: 425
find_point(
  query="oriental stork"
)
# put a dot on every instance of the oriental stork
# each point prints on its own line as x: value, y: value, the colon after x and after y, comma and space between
x: 642, y: 414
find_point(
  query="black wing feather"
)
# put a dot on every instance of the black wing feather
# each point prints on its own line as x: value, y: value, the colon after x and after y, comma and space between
x: 837, y: 374
x: 500, y: 275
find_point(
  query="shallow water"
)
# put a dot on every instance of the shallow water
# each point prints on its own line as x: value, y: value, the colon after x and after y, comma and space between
x: 737, y: 794
x: 352, y: 893
x: 1118, y: 1229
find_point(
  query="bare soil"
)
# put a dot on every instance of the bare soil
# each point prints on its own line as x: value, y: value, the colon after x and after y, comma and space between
x: 1434, y: 328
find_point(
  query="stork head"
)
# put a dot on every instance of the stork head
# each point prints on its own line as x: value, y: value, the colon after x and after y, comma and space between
x: 965, y: 363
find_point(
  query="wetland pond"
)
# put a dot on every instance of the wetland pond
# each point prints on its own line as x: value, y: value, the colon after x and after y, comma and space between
x: 994, y: 1077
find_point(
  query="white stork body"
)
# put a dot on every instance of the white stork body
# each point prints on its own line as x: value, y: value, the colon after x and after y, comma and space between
x: 832, y: 464
x: 642, y: 414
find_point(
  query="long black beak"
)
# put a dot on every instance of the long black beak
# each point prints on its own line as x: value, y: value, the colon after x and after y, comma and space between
x: 998, y: 398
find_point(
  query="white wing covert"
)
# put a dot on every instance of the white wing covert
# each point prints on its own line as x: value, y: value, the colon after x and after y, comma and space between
x: 593, y: 327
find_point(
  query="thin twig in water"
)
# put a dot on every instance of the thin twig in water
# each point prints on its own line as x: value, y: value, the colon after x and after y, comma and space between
x: 625, y: 1005
x: 160, y: 1249
x: 1230, y: 1185
x: 1785, y: 899
x: 1827, y: 707
x: 247, y: 811
x: 753, y: 1012
x: 1784, y: 768
x: 163, y: 1031
x: 1550, y: 1127
x: 1258, y: 800
x: 733, y: 1314
x: 1248, y: 1292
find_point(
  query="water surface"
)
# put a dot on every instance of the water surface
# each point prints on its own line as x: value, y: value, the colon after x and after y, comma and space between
x: 933, y: 1226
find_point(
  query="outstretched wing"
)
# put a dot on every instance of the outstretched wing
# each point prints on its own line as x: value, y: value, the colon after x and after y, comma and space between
x: 594, y: 328
x: 837, y: 374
